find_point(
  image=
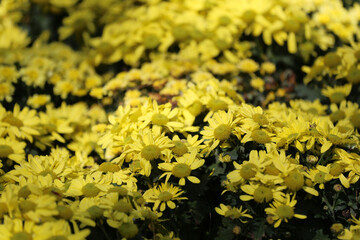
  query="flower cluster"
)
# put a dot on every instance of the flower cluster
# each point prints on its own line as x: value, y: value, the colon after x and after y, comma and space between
x: 166, y: 119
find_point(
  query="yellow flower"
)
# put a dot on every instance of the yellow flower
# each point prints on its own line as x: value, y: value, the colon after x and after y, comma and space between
x: 163, y: 195
x: 78, y: 22
x: 8, y: 74
x: 257, y: 83
x: 19, y: 123
x: 38, y: 100
x: 161, y: 116
x: 16, y: 229
x: 283, y: 210
x: 12, y: 149
x: 319, y: 175
x: 289, y: 171
x: 267, y: 68
x: 248, y: 66
x: 338, y: 93
x: 220, y: 129
x: 59, y: 229
x: 38, y: 208
x: 6, y: 91
x: 261, y: 193
x: 33, y: 76
x: 248, y: 170
x: 182, y: 168
x: 88, y: 187
x: 233, y: 212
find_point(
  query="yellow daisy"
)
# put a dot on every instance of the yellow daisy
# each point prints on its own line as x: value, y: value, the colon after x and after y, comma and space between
x: 12, y: 149
x: 338, y: 93
x: 19, y: 123
x: 233, y: 212
x: 220, y: 128
x: 88, y: 187
x: 148, y: 145
x: 261, y: 193
x: 182, y: 168
x: 163, y: 195
x: 161, y: 116
x: 58, y: 230
x: 16, y: 229
x: 283, y: 210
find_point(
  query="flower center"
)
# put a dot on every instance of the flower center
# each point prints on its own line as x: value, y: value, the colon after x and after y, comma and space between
x: 319, y: 177
x: 334, y: 139
x: 123, y: 206
x: 65, y: 212
x: 336, y: 169
x: 180, y: 148
x: 180, y: 32
x: 151, y: 41
x: 332, y: 60
x: 159, y: 119
x: 90, y: 190
x: 260, y: 119
x: 217, y: 104
x: 222, y: 132
x: 106, y: 49
x: 46, y: 172
x: 353, y: 76
x: 260, y: 136
x: 284, y: 211
x: 109, y: 167
x: 248, y: 170
x: 291, y: 25
x: 5, y: 151
x: 272, y: 170
x: 181, y: 170
x: 151, y: 152
x: 120, y: 190
x: 248, y: 16
x: 337, y: 116
x: 224, y: 20
x: 14, y: 121
x: 128, y: 230
x: 196, y: 108
x: 294, y: 181
x: 24, y: 192
x: 27, y: 205
x: 337, y: 97
x: 95, y: 212
x: 165, y: 196
x: 21, y: 236
x: 263, y: 194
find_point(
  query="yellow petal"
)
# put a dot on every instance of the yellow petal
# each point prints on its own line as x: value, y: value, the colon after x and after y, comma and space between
x: 292, y: 43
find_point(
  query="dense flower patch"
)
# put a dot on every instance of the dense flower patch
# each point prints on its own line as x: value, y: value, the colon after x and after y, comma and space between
x: 179, y: 119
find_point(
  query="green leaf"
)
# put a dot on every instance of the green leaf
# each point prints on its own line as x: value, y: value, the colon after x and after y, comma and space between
x: 320, y: 235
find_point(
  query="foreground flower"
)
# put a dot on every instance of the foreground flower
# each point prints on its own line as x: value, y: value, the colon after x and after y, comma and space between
x: 233, y: 212
x: 164, y: 195
x: 283, y: 210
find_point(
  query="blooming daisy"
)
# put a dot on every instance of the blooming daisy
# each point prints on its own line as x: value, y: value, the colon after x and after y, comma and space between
x: 161, y: 116
x: 233, y: 212
x: 19, y: 123
x: 220, y: 128
x: 164, y: 195
x: 12, y: 149
x: 283, y: 210
x: 182, y: 168
x: 338, y: 93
